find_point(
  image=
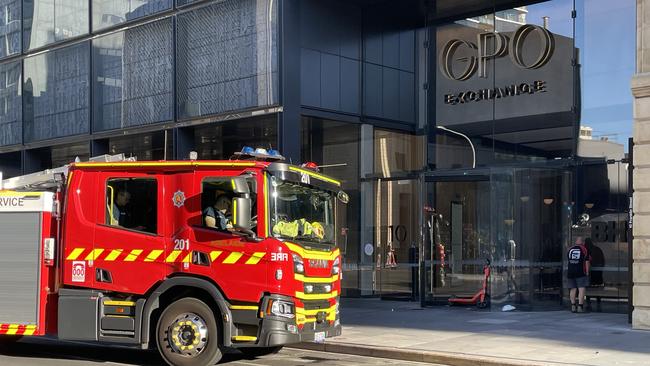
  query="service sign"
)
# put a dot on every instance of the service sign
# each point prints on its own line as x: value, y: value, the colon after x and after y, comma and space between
x: 484, y: 75
x: 11, y: 201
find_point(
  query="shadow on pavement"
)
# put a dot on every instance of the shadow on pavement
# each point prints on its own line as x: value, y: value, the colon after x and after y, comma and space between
x: 47, y: 348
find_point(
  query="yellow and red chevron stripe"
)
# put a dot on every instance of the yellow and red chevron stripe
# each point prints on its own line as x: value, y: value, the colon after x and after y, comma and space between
x: 158, y: 255
x: 17, y: 329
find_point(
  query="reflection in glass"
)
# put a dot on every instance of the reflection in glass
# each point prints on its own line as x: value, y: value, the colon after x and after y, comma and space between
x: 49, y: 21
x: 66, y: 154
x: 11, y: 116
x: 334, y: 146
x: 227, y: 57
x: 56, y: 93
x: 132, y: 76
x: 10, y: 29
x: 396, y: 230
x: 606, y: 38
x: 398, y: 153
x: 185, y: 2
x: 109, y: 13
x: 220, y: 140
x: 150, y: 146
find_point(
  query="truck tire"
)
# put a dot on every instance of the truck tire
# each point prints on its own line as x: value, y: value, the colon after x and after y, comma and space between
x: 260, y: 351
x: 187, y: 334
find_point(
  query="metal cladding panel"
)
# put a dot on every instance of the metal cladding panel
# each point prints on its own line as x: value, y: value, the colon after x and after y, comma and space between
x: 19, y: 266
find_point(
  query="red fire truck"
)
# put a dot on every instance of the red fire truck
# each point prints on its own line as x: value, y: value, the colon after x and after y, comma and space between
x: 192, y: 257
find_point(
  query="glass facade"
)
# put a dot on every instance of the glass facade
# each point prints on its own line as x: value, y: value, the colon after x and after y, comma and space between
x: 335, y: 146
x: 220, y: 140
x: 57, y: 93
x: 10, y: 27
x: 215, y: 59
x: 528, y: 151
x: 10, y: 104
x: 49, y: 21
x: 133, y: 77
x: 227, y: 58
x: 110, y: 13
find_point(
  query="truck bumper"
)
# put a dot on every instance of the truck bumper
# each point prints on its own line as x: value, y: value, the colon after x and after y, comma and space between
x: 277, y: 332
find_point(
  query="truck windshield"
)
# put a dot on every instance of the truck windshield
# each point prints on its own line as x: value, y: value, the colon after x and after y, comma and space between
x: 302, y: 212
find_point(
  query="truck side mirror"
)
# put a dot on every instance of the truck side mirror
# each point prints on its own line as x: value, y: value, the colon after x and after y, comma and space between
x: 343, y: 197
x: 240, y: 186
x: 241, y: 213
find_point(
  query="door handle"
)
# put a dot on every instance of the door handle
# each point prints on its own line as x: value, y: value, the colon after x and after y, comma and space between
x: 200, y: 258
x: 102, y: 275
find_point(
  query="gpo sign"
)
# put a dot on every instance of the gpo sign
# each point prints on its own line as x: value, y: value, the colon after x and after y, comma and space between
x: 503, y: 45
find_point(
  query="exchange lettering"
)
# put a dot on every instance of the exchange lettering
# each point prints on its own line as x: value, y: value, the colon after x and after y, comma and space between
x: 537, y: 86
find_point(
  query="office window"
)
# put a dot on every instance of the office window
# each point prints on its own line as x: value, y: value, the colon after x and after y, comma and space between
x: 220, y: 140
x: 11, y: 114
x: 227, y: 57
x: 56, y: 93
x: 10, y: 29
x: 109, y: 13
x: 132, y: 77
x: 49, y: 21
x: 131, y: 203
x: 186, y: 2
x: 147, y: 146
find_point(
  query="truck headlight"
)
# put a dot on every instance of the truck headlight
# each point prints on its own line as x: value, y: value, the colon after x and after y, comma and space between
x: 281, y: 308
x: 298, y: 264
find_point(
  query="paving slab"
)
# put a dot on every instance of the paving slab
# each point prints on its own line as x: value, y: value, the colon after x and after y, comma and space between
x: 468, y: 336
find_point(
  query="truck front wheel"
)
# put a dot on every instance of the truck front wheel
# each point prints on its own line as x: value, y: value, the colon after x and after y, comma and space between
x: 187, y: 334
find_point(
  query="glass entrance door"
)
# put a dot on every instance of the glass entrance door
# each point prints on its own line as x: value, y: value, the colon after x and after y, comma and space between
x: 397, y: 227
x: 518, y: 218
x: 457, y: 234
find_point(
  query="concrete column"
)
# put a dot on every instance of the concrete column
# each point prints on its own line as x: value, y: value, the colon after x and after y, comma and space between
x: 641, y: 205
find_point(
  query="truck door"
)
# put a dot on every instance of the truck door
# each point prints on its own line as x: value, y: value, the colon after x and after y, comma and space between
x: 237, y: 263
x: 128, y: 249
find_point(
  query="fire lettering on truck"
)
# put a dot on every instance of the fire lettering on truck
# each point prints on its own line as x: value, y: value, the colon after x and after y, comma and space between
x: 279, y: 257
x: 12, y: 201
x: 79, y: 271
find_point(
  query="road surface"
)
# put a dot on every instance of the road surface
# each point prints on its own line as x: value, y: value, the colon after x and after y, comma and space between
x: 42, y: 352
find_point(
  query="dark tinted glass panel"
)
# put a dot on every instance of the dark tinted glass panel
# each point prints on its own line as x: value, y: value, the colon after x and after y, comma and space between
x: 132, y: 77
x: 66, y: 154
x: 10, y: 30
x: 185, y: 2
x: 11, y: 164
x: 220, y: 140
x: 56, y: 93
x: 11, y: 121
x: 335, y: 147
x: 227, y: 57
x: 109, y: 13
x: 142, y: 147
x: 48, y: 21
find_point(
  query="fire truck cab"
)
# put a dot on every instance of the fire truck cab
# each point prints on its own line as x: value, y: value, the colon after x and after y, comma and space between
x: 191, y: 257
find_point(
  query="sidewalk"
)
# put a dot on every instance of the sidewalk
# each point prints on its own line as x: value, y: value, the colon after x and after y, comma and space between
x: 467, y: 336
